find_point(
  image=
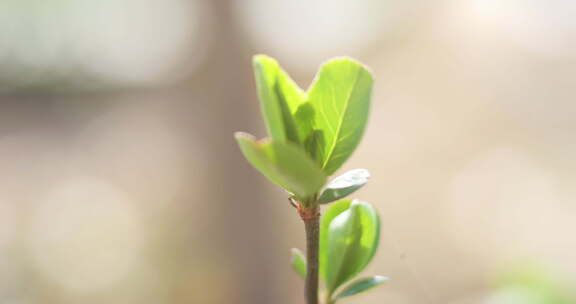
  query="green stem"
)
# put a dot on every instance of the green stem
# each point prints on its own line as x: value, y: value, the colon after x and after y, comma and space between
x: 311, y: 218
x: 328, y: 298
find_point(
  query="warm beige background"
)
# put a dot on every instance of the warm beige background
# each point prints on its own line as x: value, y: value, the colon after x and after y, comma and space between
x: 120, y: 181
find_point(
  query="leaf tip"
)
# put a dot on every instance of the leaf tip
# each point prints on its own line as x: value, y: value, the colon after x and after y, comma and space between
x: 243, y: 136
x: 363, y: 172
x: 357, y: 202
x: 381, y: 279
x: 246, y: 137
x: 360, y: 286
x: 261, y: 59
x: 351, y: 61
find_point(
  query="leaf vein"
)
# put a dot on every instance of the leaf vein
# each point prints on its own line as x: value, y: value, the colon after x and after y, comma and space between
x: 339, y: 126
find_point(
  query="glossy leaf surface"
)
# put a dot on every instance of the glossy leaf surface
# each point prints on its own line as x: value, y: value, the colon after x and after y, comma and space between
x: 284, y: 164
x: 344, y: 185
x: 328, y: 215
x: 340, y: 97
x: 361, y: 285
x: 279, y: 97
x: 299, y: 262
x: 352, y: 240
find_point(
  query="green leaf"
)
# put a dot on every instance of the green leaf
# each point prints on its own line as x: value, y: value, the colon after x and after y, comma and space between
x: 312, y: 141
x: 361, y: 285
x: 352, y: 240
x: 329, y: 214
x: 308, y: 135
x: 344, y: 185
x: 284, y: 164
x: 299, y: 262
x: 340, y: 96
x: 279, y: 97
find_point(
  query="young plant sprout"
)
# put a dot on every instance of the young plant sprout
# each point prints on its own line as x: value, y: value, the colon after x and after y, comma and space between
x: 311, y: 135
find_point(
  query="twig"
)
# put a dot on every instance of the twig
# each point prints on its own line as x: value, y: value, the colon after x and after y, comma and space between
x: 311, y: 218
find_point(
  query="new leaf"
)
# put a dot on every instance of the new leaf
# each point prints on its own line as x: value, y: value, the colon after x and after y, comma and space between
x: 299, y: 262
x: 280, y: 99
x: 284, y: 164
x: 344, y: 185
x: 350, y: 242
x: 361, y: 285
x: 329, y: 214
x: 340, y: 97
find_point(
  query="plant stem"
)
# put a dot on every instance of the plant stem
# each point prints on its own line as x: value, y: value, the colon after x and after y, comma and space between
x: 311, y: 218
x: 328, y: 298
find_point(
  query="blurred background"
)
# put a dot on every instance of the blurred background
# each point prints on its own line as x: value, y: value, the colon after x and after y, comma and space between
x: 120, y: 181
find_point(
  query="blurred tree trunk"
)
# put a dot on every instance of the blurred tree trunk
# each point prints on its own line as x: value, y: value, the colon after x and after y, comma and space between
x: 242, y: 224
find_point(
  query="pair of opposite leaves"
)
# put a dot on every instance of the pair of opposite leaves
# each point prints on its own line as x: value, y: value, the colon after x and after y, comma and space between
x: 311, y: 133
x: 349, y: 238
